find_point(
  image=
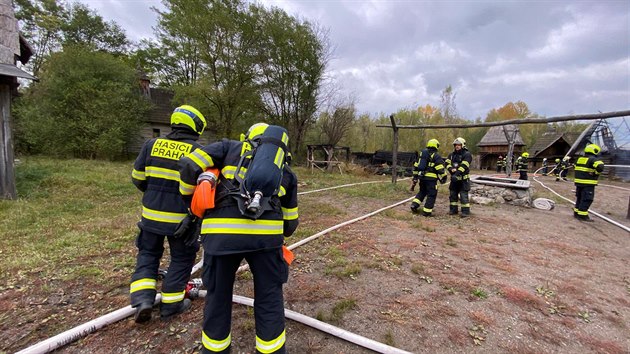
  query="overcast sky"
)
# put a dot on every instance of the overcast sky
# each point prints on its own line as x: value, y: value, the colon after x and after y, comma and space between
x: 559, y: 57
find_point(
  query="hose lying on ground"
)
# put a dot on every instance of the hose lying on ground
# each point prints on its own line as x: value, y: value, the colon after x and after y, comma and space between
x: 544, y: 204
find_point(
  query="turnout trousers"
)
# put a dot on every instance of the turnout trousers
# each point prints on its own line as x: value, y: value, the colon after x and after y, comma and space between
x: 270, y: 271
x: 522, y: 175
x: 428, y: 189
x: 458, y: 191
x: 144, y: 280
x: 584, y: 196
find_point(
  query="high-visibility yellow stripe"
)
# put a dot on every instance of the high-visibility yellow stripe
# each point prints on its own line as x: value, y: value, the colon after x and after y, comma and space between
x: 169, y: 298
x: 272, y: 345
x: 139, y: 175
x: 160, y: 172
x: 439, y: 167
x: 279, y: 158
x: 282, y: 191
x: 290, y: 213
x: 454, y: 203
x: 162, y: 216
x: 585, y: 169
x: 597, y: 163
x: 241, y: 226
x: 416, y: 200
x: 582, y: 160
x: 467, y: 205
x: 430, y: 174
x: 143, y: 284
x: 585, y: 181
x: 285, y: 138
x: 185, y: 188
x: 583, y: 213
x: 466, y: 163
x: 461, y: 169
x: 229, y: 171
x: 201, y: 158
x: 215, y: 345
x: 427, y: 210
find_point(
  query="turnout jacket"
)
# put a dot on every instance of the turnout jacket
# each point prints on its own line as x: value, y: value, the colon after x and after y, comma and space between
x: 459, y: 160
x: 156, y: 173
x: 430, y: 165
x: 521, y: 164
x: 587, y: 170
x: 224, y: 229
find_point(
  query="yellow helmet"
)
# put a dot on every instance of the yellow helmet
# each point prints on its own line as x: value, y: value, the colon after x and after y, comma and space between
x: 592, y: 149
x: 433, y: 143
x: 525, y: 154
x: 460, y: 141
x: 557, y: 160
x: 190, y: 117
x: 255, y: 130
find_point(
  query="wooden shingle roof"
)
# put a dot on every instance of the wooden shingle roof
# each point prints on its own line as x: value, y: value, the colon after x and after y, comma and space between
x: 495, y: 136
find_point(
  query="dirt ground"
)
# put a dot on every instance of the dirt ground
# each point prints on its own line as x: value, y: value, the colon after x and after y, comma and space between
x: 507, y: 279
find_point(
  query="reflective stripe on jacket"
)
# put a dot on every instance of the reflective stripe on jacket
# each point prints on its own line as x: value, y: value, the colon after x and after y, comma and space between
x: 587, y: 170
x: 430, y: 165
x: 156, y: 173
x: 461, y: 161
x: 224, y: 229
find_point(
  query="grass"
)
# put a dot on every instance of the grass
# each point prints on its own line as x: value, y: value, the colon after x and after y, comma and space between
x: 68, y: 209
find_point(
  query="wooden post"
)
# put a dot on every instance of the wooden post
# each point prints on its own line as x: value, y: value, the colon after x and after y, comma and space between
x: 7, y: 173
x: 394, y: 151
x: 628, y: 215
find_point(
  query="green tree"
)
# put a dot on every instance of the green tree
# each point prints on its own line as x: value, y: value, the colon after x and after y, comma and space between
x: 83, y: 26
x: 292, y: 57
x: 40, y: 22
x: 87, y: 104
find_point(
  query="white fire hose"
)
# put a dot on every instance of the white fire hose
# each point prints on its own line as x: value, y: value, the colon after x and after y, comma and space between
x: 591, y: 211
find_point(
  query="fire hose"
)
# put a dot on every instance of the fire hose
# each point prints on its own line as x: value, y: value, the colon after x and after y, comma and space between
x: 591, y: 211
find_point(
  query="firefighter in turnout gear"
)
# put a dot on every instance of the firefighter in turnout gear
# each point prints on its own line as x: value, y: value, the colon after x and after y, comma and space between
x: 521, y: 165
x: 501, y: 163
x: 229, y: 236
x: 156, y: 174
x: 428, y: 170
x: 587, y: 171
x: 458, y: 165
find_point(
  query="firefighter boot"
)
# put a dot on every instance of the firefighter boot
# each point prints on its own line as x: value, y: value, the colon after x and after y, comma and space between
x: 414, y: 207
x: 167, y: 315
x: 452, y: 210
x: 143, y: 312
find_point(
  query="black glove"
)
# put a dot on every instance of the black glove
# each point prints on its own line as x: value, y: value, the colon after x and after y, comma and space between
x: 188, y: 229
x: 443, y: 179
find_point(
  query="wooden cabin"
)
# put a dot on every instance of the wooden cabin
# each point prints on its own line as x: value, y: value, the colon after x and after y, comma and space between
x: 495, y: 144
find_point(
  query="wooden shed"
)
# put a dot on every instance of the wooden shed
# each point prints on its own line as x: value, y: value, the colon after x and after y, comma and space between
x: 551, y: 145
x: 495, y: 144
x: 13, y: 48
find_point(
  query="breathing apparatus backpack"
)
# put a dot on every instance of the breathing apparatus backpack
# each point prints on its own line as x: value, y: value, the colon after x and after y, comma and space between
x: 259, y: 182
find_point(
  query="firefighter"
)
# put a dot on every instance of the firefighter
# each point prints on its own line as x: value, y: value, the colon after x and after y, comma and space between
x: 458, y: 165
x: 556, y: 169
x: 228, y: 237
x: 587, y: 171
x: 156, y: 174
x: 521, y: 165
x: 428, y: 169
x: 545, y: 166
x: 500, y: 164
